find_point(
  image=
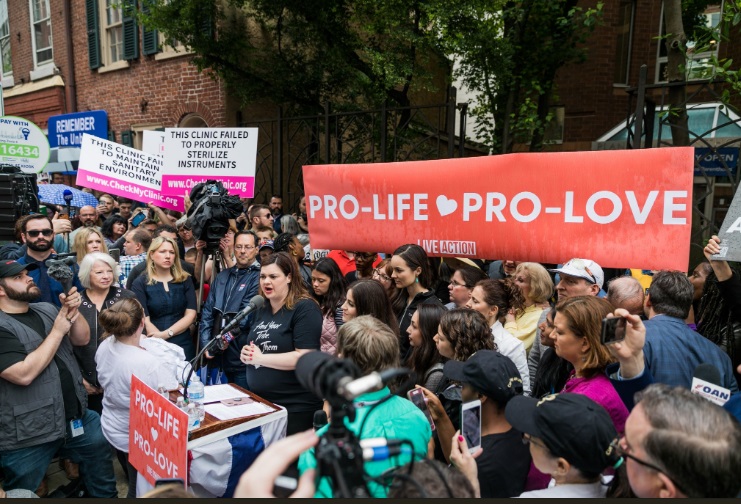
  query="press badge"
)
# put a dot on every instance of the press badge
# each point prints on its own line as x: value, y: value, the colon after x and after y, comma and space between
x: 76, y: 427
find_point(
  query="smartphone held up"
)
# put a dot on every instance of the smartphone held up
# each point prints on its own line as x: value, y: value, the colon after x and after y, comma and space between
x: 613, y: 330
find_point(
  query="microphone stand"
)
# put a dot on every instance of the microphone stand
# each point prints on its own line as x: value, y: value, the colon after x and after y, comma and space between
x: 192, y: 363
x: 69, y: 216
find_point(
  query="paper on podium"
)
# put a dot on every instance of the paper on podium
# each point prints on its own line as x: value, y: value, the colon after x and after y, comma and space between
x: 216, y: 393
x: 223, y: 412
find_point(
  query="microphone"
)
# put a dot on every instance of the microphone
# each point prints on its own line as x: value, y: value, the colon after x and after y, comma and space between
x: 255, y: 303
x: 59, y: 270
x: 382, y: 448
x: 320, y: 419
x: 67, y: 195
x: 368, y: 383
x: 706, y: 383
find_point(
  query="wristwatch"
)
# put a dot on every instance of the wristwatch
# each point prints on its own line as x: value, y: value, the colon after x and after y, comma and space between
x: 170, y: 334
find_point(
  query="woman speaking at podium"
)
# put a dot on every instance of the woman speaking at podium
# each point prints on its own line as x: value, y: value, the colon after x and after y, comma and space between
x: 286, y: 327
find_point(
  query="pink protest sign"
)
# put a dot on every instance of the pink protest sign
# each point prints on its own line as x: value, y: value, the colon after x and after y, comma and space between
x: 123, y: 171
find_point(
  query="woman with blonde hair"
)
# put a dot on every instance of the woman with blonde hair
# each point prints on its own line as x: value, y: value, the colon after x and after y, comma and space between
x: 287, y: 326
x: 119, y: 357
x: 534, y: 284
x: 577, y: 328
x: 88, y: 240
x: 167, y: 295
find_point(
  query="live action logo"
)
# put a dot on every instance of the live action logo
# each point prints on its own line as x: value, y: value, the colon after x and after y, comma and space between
x: 448, y: 247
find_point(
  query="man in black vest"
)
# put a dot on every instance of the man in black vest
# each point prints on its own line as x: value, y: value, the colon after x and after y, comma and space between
x: 43, y: 403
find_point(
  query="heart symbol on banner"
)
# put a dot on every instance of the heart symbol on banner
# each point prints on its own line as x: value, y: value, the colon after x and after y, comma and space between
x: 154, y: 432
x: 446, y: 206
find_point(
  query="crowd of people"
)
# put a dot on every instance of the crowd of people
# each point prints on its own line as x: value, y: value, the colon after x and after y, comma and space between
x: 562, y: 413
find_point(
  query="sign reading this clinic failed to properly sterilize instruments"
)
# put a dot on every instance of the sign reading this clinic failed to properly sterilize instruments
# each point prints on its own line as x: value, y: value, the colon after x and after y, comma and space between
x: 123, y: 171
x: 622, y: 209
x: 194, y: 155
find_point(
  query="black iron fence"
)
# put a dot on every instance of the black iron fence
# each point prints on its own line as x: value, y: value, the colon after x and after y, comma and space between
x: 387, y: 134
x: 717, y: 141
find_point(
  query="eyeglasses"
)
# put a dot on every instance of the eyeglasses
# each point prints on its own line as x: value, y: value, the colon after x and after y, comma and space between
x: 456, y: 284
x: 526, y: 440
x: 624, y: 452
x: 244, y: 247
x: 382, y: 276
x: 36, y: 232
x: 364, y: 255
x: 579, y: 264
x: 184, y: 228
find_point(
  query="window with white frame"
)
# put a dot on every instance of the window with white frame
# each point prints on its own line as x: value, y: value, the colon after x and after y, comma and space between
x: 41, y: 29
x: 112, y: 31
x: 699, y: 53
x: 6, y: 65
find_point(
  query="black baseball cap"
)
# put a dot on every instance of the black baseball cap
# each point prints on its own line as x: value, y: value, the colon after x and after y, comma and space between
x: 572, y: 426
x: 490, y: 373
x: 12, y: 268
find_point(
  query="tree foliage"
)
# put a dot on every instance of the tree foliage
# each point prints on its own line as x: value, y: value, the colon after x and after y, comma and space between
x: 302, y: 53
x: 360, y: 53
x: 510, y: 53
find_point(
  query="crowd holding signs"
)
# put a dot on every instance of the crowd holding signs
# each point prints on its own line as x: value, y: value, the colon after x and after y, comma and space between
x: 454, y: 321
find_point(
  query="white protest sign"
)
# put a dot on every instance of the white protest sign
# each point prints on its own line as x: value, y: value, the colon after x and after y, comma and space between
x: 194, y: 155
x: 730, y: 232
x: 153, y: 142
x: 123, y: 171
x: 23, y: 144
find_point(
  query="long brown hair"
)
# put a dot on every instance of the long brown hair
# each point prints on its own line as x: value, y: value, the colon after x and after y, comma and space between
x: 296, y: 289
x: 584, y: 316
x: 468, y: 332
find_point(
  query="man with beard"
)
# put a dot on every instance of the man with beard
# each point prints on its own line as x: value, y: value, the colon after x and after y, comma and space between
x: 276, y: 209
x: 230, y: 293
x: 37, y: 233
x: 43, y: 403
x: 88, y: 218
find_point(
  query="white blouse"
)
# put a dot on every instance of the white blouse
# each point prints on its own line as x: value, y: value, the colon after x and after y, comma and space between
x: 511, y: 347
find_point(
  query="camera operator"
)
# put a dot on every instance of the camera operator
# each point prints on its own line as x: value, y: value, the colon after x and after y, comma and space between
x: 230, y: 293
x: 372, y: 346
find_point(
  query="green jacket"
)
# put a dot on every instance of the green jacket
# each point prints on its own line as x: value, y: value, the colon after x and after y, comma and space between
x: 396, y: 418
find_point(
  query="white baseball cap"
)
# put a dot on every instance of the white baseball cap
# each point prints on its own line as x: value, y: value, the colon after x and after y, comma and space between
x: 583, y: 268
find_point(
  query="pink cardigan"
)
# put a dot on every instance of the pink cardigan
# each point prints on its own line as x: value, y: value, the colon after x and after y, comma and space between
x: 599, y: 389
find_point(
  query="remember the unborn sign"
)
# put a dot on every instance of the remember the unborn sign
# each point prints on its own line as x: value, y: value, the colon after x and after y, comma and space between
x: 158, y: 435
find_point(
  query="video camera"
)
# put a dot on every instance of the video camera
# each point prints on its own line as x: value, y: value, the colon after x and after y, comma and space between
x: 340, y: 454
x: 210, y: 212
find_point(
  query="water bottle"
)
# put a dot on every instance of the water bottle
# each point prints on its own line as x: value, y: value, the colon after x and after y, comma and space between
x: 194, y: 419
x: 196, y: 392
x: 180, y: 403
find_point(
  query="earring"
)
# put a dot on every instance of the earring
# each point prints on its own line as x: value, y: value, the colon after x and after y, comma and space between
x: 416, y: 279
x: 584, y: 359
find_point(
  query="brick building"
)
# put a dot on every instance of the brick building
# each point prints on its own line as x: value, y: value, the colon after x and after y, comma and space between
x: 34, y: 50
x: 592, y: 97
x: 67, y: 56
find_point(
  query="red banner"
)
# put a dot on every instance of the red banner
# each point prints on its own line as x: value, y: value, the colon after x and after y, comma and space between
x: 158, y: 435
x: 622, y: 209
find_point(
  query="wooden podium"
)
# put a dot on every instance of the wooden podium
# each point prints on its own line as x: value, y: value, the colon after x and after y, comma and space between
x: 221, y: 450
